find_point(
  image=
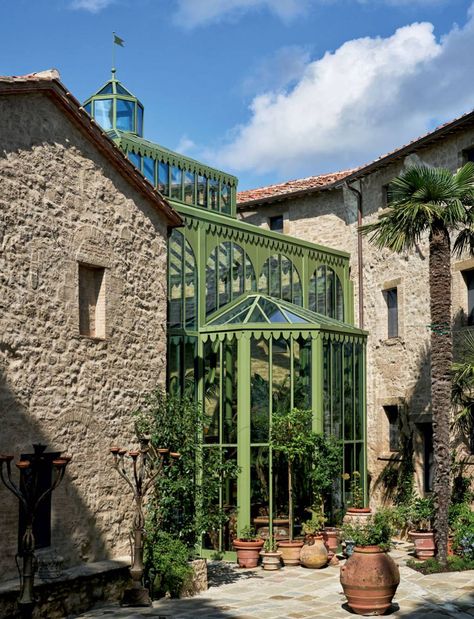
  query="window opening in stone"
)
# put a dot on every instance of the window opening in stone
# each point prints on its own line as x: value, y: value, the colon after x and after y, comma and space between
x: 469, y: 279
x: 391, y: 298
x: 391, y: 412
x: 91, y: 301
x: 276, y: 223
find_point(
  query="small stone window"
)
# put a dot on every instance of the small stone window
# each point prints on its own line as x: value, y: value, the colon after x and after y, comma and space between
x: 469, y: 155
x: 91, y: 301
x: 391, y: 299
x: 385, y: 196
x: 469, y: 279
x: 393, y: 428
x: 276, y: 223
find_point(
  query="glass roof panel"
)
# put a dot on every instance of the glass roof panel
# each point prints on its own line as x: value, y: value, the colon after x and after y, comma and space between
x: 121, y: 90
x: 293, y: 317
x: 236, y: 314
x: 257, y: 316
x: 106, y: 90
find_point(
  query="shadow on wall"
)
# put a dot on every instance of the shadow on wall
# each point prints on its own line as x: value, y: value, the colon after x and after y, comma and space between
x: 74, y: 533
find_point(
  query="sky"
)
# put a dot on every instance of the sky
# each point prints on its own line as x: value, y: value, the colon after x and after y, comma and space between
x: 269, y: 90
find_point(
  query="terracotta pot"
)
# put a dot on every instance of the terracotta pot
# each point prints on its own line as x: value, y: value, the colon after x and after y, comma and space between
x: 370, y: 579
x: 331, y: 540
x: 248, y: 552
x: 314, y: 553
x: 271, y: 560
x: 290, y: 551
x: 357, y: 515
x: 424, y: 544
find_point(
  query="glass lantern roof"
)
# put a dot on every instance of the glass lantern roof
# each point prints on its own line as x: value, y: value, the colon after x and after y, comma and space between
x: 256, y: 308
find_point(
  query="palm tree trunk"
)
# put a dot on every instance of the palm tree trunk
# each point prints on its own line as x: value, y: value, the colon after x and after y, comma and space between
x: 441, y: 360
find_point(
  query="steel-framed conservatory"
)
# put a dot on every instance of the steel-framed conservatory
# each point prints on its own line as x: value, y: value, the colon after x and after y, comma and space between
x: 255, y: 318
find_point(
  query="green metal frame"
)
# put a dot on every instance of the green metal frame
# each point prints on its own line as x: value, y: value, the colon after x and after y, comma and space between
x: 205, y: 230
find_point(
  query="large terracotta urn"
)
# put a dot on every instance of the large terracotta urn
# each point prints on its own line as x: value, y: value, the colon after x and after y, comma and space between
x: 370, y: 579
x: 314, y: 553
x: 424, y: 544
x: 290, y: 551
x: 248, y: 552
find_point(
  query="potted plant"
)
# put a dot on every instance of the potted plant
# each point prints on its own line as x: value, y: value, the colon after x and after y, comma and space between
x: 248, y: 547
x: 370, y: 576
x: 419, y: 515
x: 314, y: 553
x: 271, y: 556
x: 356, y: 512
x: 291, y: 435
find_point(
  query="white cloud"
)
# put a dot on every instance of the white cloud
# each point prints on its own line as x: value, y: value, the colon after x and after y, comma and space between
x: 369, y: 96
x: 185, y: 145
x: 93, y: 6
x: 278, y: 71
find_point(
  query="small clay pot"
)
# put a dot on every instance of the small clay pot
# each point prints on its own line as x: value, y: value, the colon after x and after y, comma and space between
x: 314, y: 553
x: 271, y: 560
x: 248, y: 552
x: 370, y: 579
x: 424, y: 544
x: 290, y: 551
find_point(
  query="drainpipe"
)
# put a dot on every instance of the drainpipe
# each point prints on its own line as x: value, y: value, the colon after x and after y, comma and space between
x: 360, y: 261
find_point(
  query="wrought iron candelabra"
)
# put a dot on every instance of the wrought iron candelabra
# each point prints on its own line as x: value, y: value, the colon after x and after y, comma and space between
x: 30, y: 495
x: 146, y: 465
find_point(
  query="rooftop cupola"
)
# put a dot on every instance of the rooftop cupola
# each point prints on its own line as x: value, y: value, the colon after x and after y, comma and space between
x: 115, y: 108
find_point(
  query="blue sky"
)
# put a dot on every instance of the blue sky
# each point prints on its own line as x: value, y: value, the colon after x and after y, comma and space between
x: 266, y: 89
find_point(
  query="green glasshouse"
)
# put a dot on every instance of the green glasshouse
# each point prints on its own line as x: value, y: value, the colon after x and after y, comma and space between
x: 256, y: 320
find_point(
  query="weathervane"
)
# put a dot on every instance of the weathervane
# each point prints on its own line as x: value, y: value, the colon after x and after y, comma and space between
x: 116, y: 41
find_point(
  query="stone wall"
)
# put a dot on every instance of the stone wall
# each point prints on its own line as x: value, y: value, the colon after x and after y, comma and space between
x: 398, y: 369
x: 63, y: 204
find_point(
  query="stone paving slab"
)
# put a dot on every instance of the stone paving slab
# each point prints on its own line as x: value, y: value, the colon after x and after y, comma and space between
x: 298, y: 593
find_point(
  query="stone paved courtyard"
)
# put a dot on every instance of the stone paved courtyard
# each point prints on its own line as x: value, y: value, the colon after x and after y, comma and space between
x: 297, y: 593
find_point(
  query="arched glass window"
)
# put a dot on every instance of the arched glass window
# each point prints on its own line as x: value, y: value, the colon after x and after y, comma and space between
x: 279, y: 278
x: 229, y: 273
x: 182, y: 283
x: 325, y: 293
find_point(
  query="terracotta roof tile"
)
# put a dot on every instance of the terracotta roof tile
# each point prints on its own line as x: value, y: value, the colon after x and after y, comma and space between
x: 301, y: 184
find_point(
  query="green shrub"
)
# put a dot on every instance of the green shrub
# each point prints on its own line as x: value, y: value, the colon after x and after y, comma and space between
x: 432, y: 566
x: 247, y: 534
x: 464, y: 533
x: 166, y: 563
x: 376, y: 531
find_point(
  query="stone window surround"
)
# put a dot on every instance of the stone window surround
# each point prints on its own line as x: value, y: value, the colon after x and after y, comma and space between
x: 382, y: 403
x: 100, y: 320
x: 388, y: 285
x: 459, y: 290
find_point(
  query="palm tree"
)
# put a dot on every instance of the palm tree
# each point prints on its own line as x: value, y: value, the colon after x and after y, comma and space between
x: 433, y: 201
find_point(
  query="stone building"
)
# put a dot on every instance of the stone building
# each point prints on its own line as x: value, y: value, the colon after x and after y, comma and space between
x: 82, y: 311
x: 391, y: 291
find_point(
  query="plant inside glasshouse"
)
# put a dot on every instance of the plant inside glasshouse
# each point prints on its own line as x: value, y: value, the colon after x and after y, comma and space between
x: 248, y: 546
x: 182, y: 506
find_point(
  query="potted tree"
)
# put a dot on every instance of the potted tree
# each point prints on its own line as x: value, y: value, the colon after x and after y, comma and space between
x: 314, y: 553
x: 248, y: 547
x: 271, y: 556
x: 420, y: 515
x: 370, y: 576
x: 291, y: 435
x: 356, y: 512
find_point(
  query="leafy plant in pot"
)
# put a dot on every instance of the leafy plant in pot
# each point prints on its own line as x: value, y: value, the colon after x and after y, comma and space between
x: 356, y: 512
x: 370, y: 576
x: 419, y: 514
x: 248, y: 547
x: 291, y: 435
x: 271, y: 556
x: 314, y: 553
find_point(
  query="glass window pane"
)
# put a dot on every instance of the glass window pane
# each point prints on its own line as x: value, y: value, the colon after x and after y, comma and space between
x: 175, y: 279
x: 358, y: 391
x: 139, y: 120
x: 330, y: 304
x: 202, y: 191
x: 212, y: 391
x: 275, y: 277
x: 229, y: 501
x: 190, y: 287
x: 229, y: 392
x: 213, y: 194
x: 250, y: 279
x: 327, y: 399
x: 106, y: 90
x: 259, y: 483
x: 348, y: 392
x: 321, y: 290
x: 392, y: 312
x: 225, y: 198
x: 339, y: 300
x: 174, y: 364
x: 286, y: 276
x: 336, y: 374
x: 302, y: 373
x: 237, y: 271
x: 149, y: 169
x: 189, y: 187
x: 135, y: 159
x: 163, y: 178
x: 88, y: 108
x: 125, y: 115
x: 224, y: 274
x: 176, y: 187
x: 263, y: 279
x: 211, y: 282
x: 281, y: 366
x: 103, y: 113
x: 190, y: 355
x: 297, y: 294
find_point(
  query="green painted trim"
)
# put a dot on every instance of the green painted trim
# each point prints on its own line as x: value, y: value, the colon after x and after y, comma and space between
x: 317, y: 386
x: 243, y: 433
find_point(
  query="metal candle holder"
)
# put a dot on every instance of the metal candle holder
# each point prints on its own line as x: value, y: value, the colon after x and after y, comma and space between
x: 145, y: 468
x: 30, y: 496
